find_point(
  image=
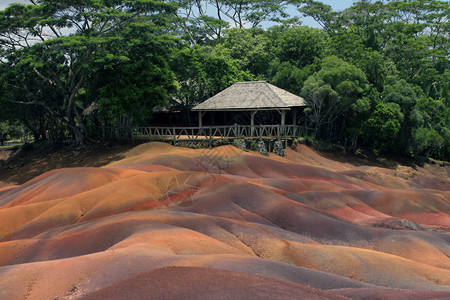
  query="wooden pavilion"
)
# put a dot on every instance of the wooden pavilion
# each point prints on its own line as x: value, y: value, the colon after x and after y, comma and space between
x: 273, y: 107
x: 253, y: 97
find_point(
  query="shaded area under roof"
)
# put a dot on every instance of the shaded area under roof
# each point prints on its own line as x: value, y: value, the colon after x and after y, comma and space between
x: 251, y: 95
x: 173, y: 105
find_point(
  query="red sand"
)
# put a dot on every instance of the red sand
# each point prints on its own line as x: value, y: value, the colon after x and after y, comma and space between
x: 177, y: 223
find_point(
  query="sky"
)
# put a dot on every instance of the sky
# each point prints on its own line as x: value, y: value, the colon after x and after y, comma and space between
x: 5, y: 3
x: 337, y: 5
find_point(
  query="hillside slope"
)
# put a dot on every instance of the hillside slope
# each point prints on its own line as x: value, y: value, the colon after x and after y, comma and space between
x: 168, y: 222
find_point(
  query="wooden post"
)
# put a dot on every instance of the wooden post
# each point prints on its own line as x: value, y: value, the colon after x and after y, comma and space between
x: 200, y: 116
x: 283, y: 121
x: 210, y: 137
x: 252, y: 122
x: 174, y: 136
x: 283, y: 117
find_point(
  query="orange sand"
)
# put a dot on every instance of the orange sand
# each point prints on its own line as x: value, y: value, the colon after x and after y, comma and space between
x: 222, y: 223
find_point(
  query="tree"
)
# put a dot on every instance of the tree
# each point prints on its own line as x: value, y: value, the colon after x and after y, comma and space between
x: 426, y: 141
x: 323, y: 14
x: 331, y: 93
x: 131, y: 75
x: 203, y: 71
x: 383, y: 126
x: 405, y: 97
x: 36, y: 38
x: 203, y: 21
x: 196, y: 26
x: 25, y: 99
x: 435, y: 127
x: 289, y: 77
x: 402, y: 48
x: 301, y: 45
x: 323, y: 107
x: 414, y: 34
x: 251, y: 47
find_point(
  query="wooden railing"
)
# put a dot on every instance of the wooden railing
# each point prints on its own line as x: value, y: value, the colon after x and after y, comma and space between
x: 204, y: 133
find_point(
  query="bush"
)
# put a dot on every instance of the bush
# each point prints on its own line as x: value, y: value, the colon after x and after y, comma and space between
x: 426, y: 142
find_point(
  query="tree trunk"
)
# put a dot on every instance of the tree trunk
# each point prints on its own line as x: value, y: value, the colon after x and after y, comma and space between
x: 33, y: 130
x: 78, y: 130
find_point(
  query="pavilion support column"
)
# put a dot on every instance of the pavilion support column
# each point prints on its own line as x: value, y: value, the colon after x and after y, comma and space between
x: 283, y: 117
x: 283, y: 120
x: 200, y: 118
x: 294, y: 122
x: 252, y: 122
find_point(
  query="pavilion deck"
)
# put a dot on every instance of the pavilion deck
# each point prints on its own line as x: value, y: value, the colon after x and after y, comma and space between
x: 205, y: 133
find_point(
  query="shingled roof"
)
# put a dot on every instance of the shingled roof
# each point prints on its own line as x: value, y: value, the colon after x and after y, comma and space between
x: 251, y: 95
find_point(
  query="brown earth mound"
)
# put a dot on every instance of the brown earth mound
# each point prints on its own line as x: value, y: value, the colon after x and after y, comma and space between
x: 176, y: 223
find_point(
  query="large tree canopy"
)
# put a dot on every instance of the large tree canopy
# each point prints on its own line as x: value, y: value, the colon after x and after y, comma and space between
x: 59, y: 41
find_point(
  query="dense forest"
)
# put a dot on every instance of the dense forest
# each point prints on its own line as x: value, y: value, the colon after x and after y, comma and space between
x: 376, y: 75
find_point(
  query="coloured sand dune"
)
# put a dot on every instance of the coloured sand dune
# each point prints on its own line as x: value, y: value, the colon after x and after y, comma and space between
x: 176, y: 223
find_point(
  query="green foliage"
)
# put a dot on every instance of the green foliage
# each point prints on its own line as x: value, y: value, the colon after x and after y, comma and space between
x: 308, y: 140
x: 296, y: 49
x: 133, y: 89
x: 445, y: 149
x: 376, y: 68
x: 301, y: 45
x: 289, y: 77
x: 203, y: 71
x: 402, y: 48
x: 250, y: 47
x: 321, y: 13
x: 376, y: 75
x: 131, y: 75
x: 383, y: 125
x: 203, y: 21
x: 400, y: 92
x: 426, y: 141
x: 332, y: 93
x: 62, y: 63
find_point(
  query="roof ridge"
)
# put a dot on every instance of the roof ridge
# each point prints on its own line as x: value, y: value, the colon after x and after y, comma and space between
x: 250, y: 82
x: 275, y: 92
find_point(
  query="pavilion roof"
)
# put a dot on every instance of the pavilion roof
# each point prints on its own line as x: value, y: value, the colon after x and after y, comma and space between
x: 251, y: 95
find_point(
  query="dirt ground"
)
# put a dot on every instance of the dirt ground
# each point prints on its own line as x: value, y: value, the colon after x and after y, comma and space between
x: 18, y: 165
x: 393, y: 162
